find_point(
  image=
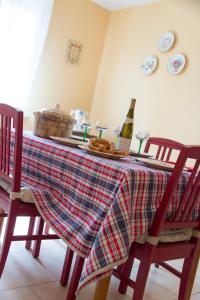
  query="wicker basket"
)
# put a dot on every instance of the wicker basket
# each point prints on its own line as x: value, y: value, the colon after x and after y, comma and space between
x: 53, y: 122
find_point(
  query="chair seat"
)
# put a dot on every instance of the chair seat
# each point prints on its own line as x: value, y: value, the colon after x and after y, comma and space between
x: 25, y: 194
x: 169, y: 236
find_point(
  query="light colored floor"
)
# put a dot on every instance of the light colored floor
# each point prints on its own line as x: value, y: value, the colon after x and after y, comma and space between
x: 25, y: 278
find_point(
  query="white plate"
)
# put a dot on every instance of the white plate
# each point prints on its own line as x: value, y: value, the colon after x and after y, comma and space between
x: 150, y: 64
x: 176, y: 64
x: 166, y: 41
x: 67, y: 141
x: 157, y: 164
x: 79, y: 138
x: 102, y: 154
x: 135, y: 154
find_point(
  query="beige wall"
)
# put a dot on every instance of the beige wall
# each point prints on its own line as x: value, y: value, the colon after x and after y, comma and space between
x: 58, y: 82
x: 168, y: 106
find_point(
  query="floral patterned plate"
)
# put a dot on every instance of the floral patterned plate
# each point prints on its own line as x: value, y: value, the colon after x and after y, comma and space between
x: 176, y: 64
x: 166, y: 41
x: 150, y: 64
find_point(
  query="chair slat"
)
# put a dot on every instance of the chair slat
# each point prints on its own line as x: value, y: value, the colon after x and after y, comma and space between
x: 158, y: 152
x: 4, y: 144
x: 195, y: 202
x: 163, y: 153
x: 8, y: 147
x: 1, y: 145
x: 169, y: 154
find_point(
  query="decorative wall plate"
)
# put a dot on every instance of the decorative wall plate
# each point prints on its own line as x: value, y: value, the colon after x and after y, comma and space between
x: 166, y: 41
x: 176, y: 64
x: 149, y: 65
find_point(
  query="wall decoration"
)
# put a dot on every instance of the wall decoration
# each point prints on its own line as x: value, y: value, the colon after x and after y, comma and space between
x: 150, y: 64
x: 166, y: 41
x: 73, y: 54
x: 176, y: 64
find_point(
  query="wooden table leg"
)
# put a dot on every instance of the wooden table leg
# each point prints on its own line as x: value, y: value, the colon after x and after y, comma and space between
x: 101, y: 289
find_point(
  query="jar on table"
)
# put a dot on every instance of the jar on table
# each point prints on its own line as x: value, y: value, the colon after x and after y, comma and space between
x: 53, y: 122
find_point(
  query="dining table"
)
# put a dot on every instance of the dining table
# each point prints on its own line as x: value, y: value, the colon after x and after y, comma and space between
x: 97, y: 206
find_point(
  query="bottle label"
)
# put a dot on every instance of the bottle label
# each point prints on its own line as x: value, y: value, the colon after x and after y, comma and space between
x: 128, y: 120
x: 123, y: 144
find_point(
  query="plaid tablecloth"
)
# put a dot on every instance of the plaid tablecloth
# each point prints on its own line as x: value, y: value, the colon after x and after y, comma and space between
x: 97, y: 206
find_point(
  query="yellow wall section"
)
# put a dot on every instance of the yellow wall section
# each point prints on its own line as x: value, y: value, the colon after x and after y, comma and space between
x: 168, y: 106
x: 58, y: 82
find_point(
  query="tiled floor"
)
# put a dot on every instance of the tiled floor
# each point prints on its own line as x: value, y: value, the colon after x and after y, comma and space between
x: 25, y: 278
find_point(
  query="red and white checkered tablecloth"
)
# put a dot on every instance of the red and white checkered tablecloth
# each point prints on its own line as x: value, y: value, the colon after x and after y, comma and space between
x: 97, y: 206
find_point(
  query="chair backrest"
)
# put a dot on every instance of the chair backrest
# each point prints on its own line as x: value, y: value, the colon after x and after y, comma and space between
x: 164, y: 147
x: 11, y: 132
x: 187, y: 213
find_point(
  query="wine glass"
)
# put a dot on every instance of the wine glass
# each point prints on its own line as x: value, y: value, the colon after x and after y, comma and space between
x: 79, y: 116
x: 101, y: 128
x: 116, y: 132
x: 86, y: 125
x: 141, y: 135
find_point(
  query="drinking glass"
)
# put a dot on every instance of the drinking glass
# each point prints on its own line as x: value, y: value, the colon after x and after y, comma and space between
x: 79, y: 116
x: 116, y: 132
x: 101, y: 128
x: 141, y: 136
x: 86, y: 125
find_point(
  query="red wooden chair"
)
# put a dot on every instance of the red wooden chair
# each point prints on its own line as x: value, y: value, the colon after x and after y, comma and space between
x: 77, y: 270
x: 164, y: 147
x: 11, y: 129
x: 154, y: 250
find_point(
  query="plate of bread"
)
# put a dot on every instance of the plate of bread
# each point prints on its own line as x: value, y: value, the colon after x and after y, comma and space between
x: 102, y: 147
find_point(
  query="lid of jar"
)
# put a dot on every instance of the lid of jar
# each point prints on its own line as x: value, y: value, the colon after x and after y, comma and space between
x: 54, y: 113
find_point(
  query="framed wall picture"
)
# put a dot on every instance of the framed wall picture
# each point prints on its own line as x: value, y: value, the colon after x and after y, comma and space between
x: 73, y: 54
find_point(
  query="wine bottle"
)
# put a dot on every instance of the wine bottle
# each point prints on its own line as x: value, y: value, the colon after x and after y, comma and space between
x: 125, y: 136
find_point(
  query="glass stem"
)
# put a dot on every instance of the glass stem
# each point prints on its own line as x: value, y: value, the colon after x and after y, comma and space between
x: 116, y: 141
x: 85, y: 134
x: 140, y: 146
x: 100, y: 133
